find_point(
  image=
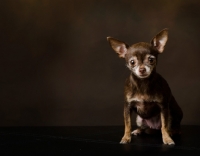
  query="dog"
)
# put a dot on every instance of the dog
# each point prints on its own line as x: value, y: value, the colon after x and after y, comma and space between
x: 147, y: 92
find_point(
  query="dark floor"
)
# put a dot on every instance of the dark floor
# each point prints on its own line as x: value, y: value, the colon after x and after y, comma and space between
x: 92, y: 141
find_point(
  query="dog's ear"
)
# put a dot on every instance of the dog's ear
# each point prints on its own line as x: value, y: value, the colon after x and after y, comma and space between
x: 118, y: 46
x: 160, y: 40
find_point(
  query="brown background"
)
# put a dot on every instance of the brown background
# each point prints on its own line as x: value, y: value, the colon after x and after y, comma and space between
x: 57, y: 68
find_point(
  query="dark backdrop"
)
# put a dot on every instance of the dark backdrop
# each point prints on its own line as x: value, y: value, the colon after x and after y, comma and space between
x: 57, y: 68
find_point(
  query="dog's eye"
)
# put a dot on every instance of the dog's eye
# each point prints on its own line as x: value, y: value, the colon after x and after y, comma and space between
x: 151, y: 60
x: 132, y: 62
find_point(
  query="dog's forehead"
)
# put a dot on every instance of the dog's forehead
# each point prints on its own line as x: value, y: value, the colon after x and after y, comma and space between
x: 140, y: 49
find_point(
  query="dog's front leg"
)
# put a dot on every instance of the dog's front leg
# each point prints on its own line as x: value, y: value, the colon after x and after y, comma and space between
x: 127, y: 121
x: 165, y: 121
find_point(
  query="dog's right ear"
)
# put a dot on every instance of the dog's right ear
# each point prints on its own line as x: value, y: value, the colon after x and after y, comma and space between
x: 118, y: 46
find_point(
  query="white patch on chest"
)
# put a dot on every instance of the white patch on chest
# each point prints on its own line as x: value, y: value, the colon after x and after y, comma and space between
x: 142, y: 99
x: 135, y: 99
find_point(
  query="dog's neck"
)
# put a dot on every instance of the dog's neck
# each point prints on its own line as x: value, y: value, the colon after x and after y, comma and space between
x: 144, y: 84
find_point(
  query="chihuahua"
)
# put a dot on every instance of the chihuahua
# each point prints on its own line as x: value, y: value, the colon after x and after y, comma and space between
x: 147, y: 92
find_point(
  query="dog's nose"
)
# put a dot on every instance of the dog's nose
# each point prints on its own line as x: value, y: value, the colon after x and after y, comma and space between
x: 142, y: 70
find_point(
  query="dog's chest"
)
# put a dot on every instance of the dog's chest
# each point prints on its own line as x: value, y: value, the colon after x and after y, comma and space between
x: 144, y: 105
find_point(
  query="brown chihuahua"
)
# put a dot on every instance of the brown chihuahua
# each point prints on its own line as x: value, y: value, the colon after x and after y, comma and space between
x: 147, y: 92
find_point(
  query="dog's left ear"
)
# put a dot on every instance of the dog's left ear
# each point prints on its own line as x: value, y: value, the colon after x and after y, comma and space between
x: 160, y: 40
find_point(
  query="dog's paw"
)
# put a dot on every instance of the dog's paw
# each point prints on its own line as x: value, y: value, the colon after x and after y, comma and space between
x: 136, y: 132
x: 168, y: 141
x: 125, y: 140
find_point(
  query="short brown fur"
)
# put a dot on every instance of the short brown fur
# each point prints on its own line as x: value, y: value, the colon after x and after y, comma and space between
x: 146, y: 92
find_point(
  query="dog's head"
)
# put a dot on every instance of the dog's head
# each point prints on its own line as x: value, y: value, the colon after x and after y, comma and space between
x: 141, y: 58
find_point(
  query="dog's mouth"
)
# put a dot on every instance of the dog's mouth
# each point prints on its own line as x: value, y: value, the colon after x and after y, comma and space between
x: 143, y: 75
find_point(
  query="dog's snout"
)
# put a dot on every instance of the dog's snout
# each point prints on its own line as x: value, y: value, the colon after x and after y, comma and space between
x: 142, y: 70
